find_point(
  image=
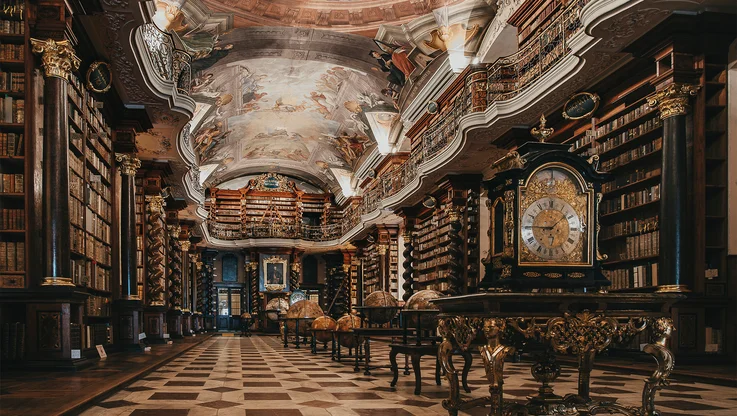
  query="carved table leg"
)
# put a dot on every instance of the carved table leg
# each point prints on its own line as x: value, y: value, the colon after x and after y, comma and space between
x: 585, y: 365
x: 467, y: 362
x: 445, y: 354
x: 367, y: 356
x: 662, y: 330
x: 286, y: 335
x: 493, y: 355
x: 395, y: 367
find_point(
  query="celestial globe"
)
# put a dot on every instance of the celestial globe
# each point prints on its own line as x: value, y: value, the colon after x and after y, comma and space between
x: 382, y: 307
x: 421, y: 301
x: 275, y: 307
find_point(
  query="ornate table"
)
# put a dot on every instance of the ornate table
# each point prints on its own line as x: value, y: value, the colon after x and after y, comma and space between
x: 567, y: 323
x: 298, y: 322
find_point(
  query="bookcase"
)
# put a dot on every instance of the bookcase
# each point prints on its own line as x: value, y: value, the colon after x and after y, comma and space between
x: 140, y: 198
x: 370, y: 268
x: 15, y: 127
x: 627, y: 136
x: 432, y: 237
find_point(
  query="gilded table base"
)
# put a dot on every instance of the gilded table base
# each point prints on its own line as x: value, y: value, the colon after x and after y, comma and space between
x: 583, y: 334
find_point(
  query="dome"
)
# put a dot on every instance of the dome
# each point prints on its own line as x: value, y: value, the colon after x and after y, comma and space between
x: 420, y: 301
x: 324, y: 325
x: 275, y: 307
x: 386, y: 307
x: 346, y: 324
x: 303, y: 309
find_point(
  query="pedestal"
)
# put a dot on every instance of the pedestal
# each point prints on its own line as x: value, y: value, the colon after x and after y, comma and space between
x: 155, y: 324
x: 174, y: 323
x: 127, y: 316
x: 187, y: 324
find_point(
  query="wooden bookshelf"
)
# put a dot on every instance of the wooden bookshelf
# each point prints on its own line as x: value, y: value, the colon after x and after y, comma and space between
x: 16, y: 126
x: 370, y: 267
x: 432, y: 237
x: 140, y: 198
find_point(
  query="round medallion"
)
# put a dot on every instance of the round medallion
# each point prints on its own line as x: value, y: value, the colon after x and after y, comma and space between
x: 99, y: 77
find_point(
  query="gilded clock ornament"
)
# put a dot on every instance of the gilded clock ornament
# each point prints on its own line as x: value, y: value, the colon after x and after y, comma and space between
x: 548, y: 219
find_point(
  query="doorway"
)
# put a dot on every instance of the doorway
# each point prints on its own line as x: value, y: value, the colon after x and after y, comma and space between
x: 229, y: 308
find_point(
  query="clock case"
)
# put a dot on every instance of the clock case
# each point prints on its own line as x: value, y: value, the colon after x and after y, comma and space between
x: 502, y: 264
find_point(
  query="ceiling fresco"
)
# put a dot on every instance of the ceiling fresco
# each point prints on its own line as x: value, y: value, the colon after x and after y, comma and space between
x: 302, y: 109
x: 349, y: 16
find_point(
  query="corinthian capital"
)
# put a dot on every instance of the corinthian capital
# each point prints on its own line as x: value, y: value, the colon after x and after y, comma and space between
x: 129, y: 165
x: 673, y: 99
x: 155, y: 203
x: 57, y: 58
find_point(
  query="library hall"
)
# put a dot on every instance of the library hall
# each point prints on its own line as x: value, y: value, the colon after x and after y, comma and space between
x: 381, y: 208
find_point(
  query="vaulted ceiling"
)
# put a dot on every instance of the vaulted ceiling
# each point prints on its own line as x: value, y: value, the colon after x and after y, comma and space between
x: 292, y: 87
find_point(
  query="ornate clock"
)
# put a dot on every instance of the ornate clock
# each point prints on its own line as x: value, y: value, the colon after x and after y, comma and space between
x: 543, y: 203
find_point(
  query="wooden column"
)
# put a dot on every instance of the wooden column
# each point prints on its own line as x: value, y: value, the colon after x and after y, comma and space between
x: 673, y: 102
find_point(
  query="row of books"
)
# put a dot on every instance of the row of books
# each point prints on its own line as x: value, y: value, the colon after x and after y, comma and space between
x: 10, y: 52
x: 88, y: 336
x: 99, y: 206
x: 101, y: 252
x: 624, y: 180
x: 101, y: 190
x: 76, y: 184
x: 99, y: 144
x: 434, y: 275
x: 629, y: 135
x: 76, y: 212
x: 88, y: 273
x: 12, y: 256
x: 714, y: 340
x: 643, y: 245
x: 438, y: 286
x: 227, y: 212
x: 13, y: 341
x: 630, y: 200
x: 12, y: 183
x: 97, y: 306
x: 633, y: 277
x: 98, y: 228
x: 12, y: 81
x: 102, y: 166
x: 77, y: 238
x: 91, y: 112
x: 11, y: 144
x: 12, y: 110
x: 634, y: 154
x: 433, y: 234
x: 604, y: 129
x: 585, y: 140
x: 437, y: 261
x: 630, y: 227
x: 12, y: 27
x: 12, y: 219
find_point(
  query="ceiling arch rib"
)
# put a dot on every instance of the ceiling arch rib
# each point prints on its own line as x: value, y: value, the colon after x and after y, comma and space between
x: 300, y: 101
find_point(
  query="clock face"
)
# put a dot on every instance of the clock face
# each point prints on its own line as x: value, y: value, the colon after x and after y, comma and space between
x: 551, y: 228
x: 553, y: 224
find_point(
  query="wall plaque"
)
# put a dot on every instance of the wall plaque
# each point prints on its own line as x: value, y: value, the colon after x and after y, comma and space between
x: 581, y: 105
x: 99, y: 77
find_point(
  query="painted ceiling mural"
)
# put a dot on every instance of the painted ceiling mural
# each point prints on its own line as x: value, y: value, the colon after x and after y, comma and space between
x: 349, y: 16
x: 295, y: 99
x: 287, y: 108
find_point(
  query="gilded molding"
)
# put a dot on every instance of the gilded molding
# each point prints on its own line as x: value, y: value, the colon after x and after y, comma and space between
x: 57, y: 58
x: 185, y: 245
x: 673, y: 99
x: 129, y: 165
x: 155, y: 203
x: 57, y: 281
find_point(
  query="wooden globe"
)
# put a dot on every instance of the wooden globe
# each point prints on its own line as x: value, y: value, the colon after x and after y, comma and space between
x: 304, y: 309
x: 275, y: 307
x: 380, y: 307
x: 345, y: 325
x: 323, y: 326
x: 421, y: 301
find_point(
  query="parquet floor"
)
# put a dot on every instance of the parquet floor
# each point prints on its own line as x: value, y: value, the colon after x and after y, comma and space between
x: 257, y: 376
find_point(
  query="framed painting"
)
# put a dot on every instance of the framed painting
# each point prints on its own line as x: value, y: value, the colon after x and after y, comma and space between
x: 274, y: 273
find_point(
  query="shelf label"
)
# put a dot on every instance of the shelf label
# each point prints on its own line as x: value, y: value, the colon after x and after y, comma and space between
x: 101, y: 351
x: 166, y: 336
x: 94, y: 178
x: 141, y: 336
x: 76, y: 354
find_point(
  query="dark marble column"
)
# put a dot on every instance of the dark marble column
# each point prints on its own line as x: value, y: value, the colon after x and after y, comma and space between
x: 58, y: 60
x: 456, y: 278
x: 129, y: 284
x: 128, y: 308
x: 672, y: 101
x: 156, y: 298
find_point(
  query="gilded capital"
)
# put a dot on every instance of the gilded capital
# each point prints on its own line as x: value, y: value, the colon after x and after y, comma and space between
x: 185, y: 244
x: 454, y: 214
x: 673, y: 99
x: 57, y: 58
x: 129, y: 165
x: 155, y: 203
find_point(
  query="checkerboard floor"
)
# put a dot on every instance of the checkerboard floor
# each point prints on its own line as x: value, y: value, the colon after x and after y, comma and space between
x: 257, y: 376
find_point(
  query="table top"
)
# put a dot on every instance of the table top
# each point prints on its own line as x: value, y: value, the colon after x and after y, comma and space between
x: 555, y: 304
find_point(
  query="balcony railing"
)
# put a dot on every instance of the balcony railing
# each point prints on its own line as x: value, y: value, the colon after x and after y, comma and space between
x: 170, y: 63
x: 502, y: 80
x: 276, y: 230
